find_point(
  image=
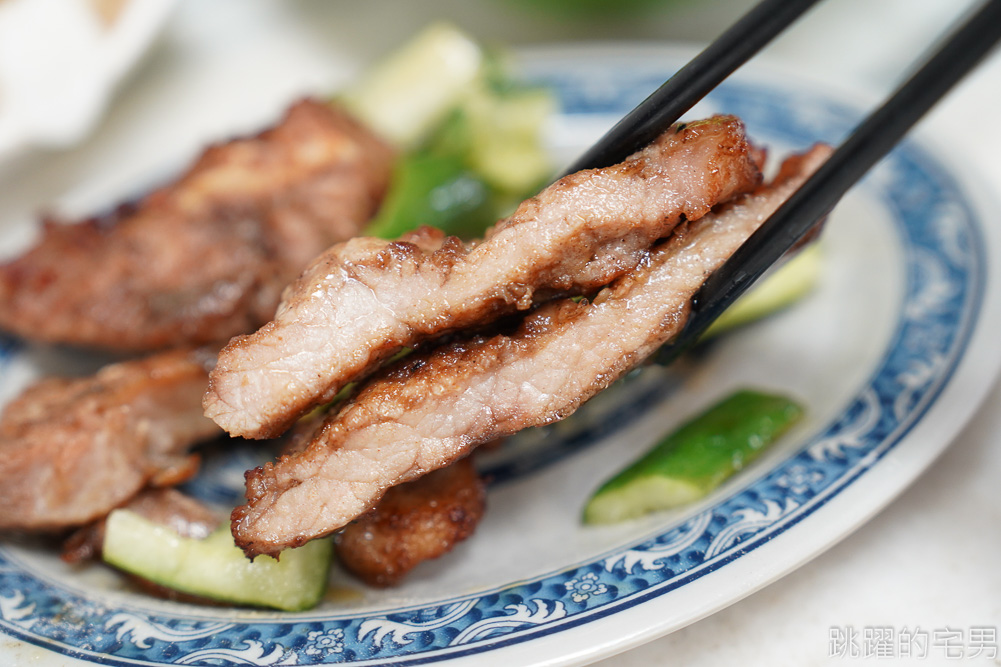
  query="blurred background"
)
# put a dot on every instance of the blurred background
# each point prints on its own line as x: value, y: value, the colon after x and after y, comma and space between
x: 94, y: 82
x: 99, y: 99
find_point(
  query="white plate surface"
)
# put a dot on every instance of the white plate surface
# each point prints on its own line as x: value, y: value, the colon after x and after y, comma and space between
x: 52, y: 97
x: 891, y: 355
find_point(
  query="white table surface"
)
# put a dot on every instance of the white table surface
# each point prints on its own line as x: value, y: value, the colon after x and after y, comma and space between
x: 930, y: 560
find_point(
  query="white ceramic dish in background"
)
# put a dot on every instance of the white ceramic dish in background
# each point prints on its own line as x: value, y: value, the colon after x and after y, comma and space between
x: 891, y: 355
x: 60, y: 61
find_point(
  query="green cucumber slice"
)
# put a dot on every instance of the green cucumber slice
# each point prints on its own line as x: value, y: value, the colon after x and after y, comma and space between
x: 215, y: 567
x: 787, y: 285
x: 696, y: 458
x: 436, y: 190
x: 505, y: 130
x: 416, y: 86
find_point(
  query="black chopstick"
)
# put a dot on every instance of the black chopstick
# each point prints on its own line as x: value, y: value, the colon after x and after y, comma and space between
x: 870, y: 142
x: 693, y: 82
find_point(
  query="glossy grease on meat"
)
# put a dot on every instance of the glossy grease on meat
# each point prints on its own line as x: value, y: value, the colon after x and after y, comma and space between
x: 432, y: 408
x: 365, y: 299
x: 206, y: 257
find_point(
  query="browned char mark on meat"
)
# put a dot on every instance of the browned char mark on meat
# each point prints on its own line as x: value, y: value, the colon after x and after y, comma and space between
x: 413, y: 522
x: 206, y: 257
x: 365, y: 299
x: 432, y: 408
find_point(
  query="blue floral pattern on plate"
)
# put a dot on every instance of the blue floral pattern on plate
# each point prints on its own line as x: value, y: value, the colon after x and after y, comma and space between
x: 944, y: 283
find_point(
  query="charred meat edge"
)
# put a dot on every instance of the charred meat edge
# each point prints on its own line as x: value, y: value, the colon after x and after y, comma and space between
x: 413, y: 523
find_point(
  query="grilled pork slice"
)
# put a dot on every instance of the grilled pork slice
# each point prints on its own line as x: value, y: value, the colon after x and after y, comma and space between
x: 366, y: 299
x: 71, y: 450
x: 206, y: 257
x: 413, y: 522
x: 430, y: 409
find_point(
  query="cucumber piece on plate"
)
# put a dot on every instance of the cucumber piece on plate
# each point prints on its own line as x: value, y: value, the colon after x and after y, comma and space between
x: 216, y: 568
x: 788, y: 284
x: 505, y: 123
x: 695, y: 459
x: 415, y: 87
x: 469, y: 134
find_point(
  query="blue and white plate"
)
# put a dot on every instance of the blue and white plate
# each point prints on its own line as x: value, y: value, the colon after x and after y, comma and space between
x: 890, y: 354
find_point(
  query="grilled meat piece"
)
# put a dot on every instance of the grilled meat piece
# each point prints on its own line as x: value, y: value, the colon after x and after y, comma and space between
x: 169, y: 507
x: 432, y: 408
x: 365, y: 299
x: 206, y: 257
x: 71, y: 450
x: 413, y: 522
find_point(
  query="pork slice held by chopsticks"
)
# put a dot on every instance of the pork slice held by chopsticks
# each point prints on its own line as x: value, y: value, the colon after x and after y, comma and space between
x: 432, y: 408
x: 364, y: 300
x: 71, y: 450
x: 207, y: 256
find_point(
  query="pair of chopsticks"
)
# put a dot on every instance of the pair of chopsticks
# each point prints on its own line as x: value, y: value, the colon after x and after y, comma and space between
x: 868, y: 143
